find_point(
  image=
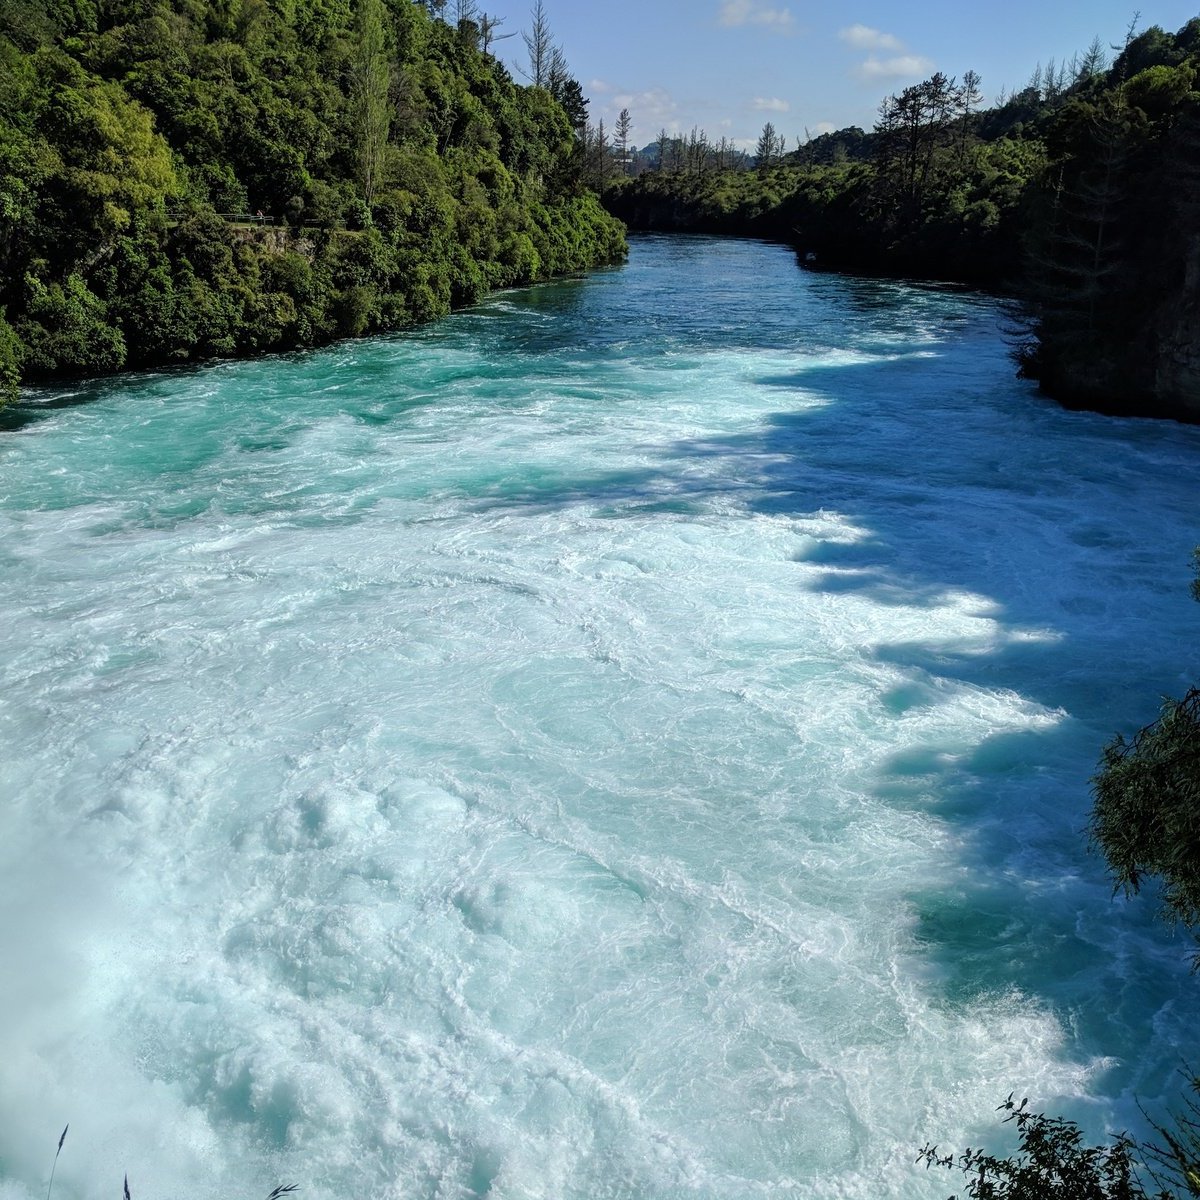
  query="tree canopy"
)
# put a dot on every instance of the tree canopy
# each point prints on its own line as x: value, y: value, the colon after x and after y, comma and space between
x: 217, y: 177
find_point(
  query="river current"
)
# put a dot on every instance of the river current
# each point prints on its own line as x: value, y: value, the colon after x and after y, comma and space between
x: 628, y: 740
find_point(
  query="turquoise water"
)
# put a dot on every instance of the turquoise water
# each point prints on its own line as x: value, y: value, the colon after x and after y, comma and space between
x: 630, y: 739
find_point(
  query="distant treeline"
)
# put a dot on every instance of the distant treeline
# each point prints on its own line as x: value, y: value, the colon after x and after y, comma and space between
x: 1079, y: 193
x: 398, y: 169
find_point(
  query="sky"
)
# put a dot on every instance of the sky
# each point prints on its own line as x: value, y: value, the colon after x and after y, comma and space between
x: 728, y: 66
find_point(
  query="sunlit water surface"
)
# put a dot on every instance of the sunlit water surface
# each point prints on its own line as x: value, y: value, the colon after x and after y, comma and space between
x: 630, y: 739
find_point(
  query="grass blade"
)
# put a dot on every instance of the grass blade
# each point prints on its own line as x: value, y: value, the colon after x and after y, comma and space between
x: 62, y: 1138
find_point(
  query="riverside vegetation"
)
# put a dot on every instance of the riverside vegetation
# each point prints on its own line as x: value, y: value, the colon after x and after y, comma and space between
x: 1077, y: 193
x: 389, y: 169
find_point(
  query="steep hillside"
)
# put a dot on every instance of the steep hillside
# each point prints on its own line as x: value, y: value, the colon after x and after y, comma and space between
x: 228, y: 177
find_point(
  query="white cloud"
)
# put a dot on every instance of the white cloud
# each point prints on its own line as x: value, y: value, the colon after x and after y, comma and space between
x: 599, y: 86
x: 771, y: 105
x: 888, y: 58
x: 822, y: 127
x: 902, y: 66
x: 651, y: 111
x: 863, y: 37
x: 753, y: 12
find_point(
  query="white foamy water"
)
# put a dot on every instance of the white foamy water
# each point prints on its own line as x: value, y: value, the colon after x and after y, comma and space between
x: 629, y: 740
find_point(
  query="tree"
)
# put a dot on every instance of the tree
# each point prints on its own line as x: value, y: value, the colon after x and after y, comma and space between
x: 1052, y: 1164
x: 621, y: 138
x: 1054, y: 81
x: 1146, y: 815
x: 1094, y: 62
x: 965, y: 101
x: 465, y: 15
x: 911, y: 129
x: 11, y: 352
x: 662, y: 142
x: 127, y: 127
x: 769, y: 148
x: 1175, y: 1160
x: 372, y: 83
x: 597, y: 150
x: 539, y: 45
x: 488, y: 24
x: 1077, y: 251
x: 1035, y: 82
x: 67, y: 329
x: 567, y: 91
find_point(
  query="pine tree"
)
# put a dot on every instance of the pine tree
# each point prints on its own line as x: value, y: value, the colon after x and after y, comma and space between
x: 662, y: 142
x: 601, y: 158
x: 621, y: 138
x: 766, y: 149
x: 539, y: 45
x: 488, y: 25
x: 1094, y: 62
x: 911, y: 129
x: 966, y: 100
x: 1077, y: 255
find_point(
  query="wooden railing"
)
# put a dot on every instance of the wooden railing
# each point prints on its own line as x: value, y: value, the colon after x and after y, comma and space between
x: 252, y: 219
x: 255, y: 218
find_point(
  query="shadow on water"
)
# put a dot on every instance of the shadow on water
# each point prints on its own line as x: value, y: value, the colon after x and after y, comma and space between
x: 42, y: 401
x: 1041, y: 529
x: 22, y: 414
x: 976, y: 509
x: 1059, y: 539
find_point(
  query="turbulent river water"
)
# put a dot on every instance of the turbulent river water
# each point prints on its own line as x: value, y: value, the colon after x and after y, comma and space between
x: 628, y: 740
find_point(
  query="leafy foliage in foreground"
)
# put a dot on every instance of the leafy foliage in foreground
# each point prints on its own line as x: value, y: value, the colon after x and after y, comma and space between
x: 399, y: 169
x: 1146, y: 817
x: 1175, y: 1160
x: 1146, y: 812
x: 1052, y: 1163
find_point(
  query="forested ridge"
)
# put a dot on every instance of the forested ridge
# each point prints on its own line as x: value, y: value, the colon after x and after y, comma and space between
x: 188, y: 179
x: 1079, y: 193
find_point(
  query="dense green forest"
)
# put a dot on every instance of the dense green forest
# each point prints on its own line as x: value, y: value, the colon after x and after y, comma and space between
x: 1079, y: 193
x: 184, y: 179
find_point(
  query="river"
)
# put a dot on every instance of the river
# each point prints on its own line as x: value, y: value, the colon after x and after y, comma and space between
x: 628, y: 740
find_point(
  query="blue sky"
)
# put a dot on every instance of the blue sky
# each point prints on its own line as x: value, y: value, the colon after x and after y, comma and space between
x: 730, y: 65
